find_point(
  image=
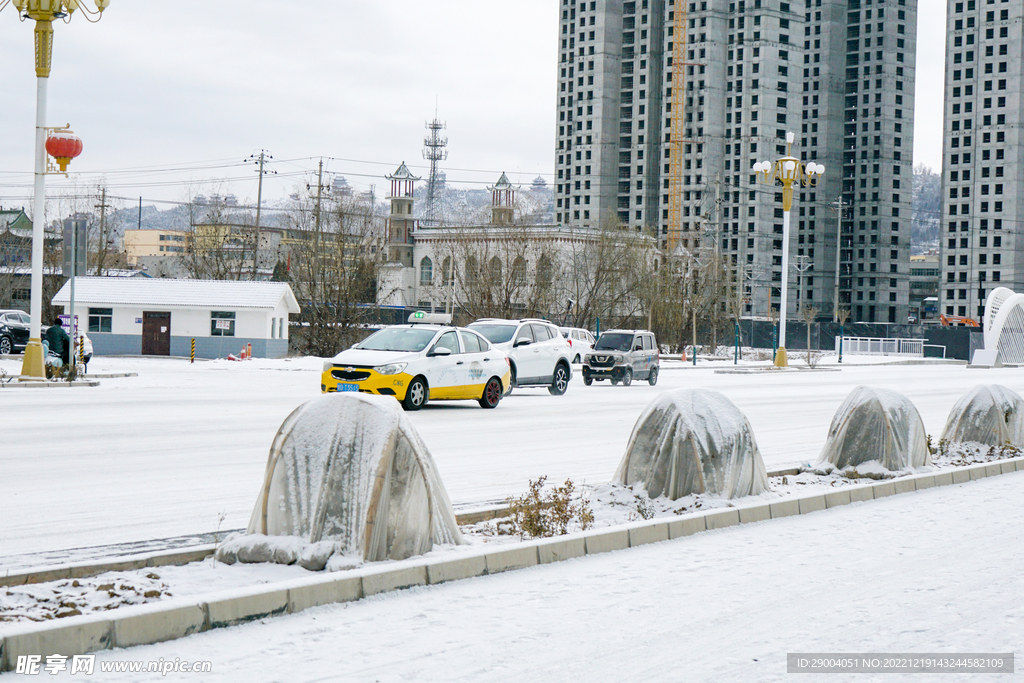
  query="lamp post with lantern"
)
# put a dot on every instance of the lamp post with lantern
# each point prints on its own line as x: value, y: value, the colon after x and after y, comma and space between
x: 63, y: 145
x: 788, y: 171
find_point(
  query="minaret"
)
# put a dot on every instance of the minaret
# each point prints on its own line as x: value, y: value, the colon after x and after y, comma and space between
x: 401, y: 223
x: 503, y: 197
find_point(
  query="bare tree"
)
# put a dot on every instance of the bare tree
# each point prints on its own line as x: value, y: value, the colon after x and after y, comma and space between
x: 220, y: 245
x: 332, y: 262
x: 608, y: 273
x: 494, y: 271
x: 809, y: 314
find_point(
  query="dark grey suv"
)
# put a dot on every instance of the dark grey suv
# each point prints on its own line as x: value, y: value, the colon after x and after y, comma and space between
x: 622, y: 356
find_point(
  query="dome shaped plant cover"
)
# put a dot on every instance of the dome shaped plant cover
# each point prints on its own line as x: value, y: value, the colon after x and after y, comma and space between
x: 693, y: 441
x: 347, y: 476
x: 990, y: 414
x: 876, y: 425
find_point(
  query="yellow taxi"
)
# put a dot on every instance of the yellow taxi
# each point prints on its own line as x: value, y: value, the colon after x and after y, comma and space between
x: 420, y: 362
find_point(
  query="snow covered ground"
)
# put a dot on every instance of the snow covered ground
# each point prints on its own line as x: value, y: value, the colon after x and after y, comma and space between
x: 933, y: 571
x: 181, y: 449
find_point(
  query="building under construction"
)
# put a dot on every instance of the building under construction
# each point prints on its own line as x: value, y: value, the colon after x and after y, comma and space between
x: 665, y: 105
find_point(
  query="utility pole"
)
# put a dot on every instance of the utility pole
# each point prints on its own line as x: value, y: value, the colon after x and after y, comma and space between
x: 101, y: 247
x: 801, y: 267
x: 838, y: 205
x: 260, y: 159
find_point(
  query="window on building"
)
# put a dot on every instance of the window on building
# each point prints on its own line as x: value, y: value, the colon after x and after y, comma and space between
x: 100, y: 319
x: 222, y: 323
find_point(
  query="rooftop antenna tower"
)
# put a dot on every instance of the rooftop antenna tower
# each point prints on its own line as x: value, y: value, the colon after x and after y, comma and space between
x: 434, y: 151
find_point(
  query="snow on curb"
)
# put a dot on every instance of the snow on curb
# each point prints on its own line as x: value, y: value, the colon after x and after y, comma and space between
x: 158, y: 622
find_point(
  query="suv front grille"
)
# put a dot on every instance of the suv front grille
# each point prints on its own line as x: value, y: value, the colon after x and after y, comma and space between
x: 602, y: 360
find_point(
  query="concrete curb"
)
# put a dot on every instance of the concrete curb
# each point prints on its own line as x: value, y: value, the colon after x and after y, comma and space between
x: 159, y: 622
x: 30, y: 384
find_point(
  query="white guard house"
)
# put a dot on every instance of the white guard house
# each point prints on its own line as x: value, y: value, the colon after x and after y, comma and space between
x: 160, y: 317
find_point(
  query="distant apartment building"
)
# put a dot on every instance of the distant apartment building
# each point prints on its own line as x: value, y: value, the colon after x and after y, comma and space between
x: 143, y: 243
x: 665, y: 105
x: 982, y: 156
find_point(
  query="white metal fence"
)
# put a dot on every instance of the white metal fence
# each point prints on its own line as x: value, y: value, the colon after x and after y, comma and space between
x: 877, y: 346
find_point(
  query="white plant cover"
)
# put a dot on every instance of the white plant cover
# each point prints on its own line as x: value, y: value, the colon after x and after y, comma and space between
x: 347, y: 476
x: 691, y: 441
x: 990, y: 414
x: 876, y: 425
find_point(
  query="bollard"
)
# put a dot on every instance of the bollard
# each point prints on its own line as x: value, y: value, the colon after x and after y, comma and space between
x: 248, y: 351
x: 192, y: 359
x: 81, y: 349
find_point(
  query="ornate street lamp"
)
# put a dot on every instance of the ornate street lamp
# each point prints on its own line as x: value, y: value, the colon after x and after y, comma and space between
x: 43, y: 12
x: 788, y: 171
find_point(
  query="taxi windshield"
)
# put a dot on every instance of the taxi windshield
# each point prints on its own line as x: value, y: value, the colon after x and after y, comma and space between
x: 398, y: 339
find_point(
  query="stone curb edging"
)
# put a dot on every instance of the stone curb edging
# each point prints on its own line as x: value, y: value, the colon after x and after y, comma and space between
x: 159, y: 622
x: 31, y: 384
x: 156, y: 558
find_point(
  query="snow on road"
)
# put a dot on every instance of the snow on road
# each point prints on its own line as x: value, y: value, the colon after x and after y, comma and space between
x: 936, y: 571
x: 181, y: 449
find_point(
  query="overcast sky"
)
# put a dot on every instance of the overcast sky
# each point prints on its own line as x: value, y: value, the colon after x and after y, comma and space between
x: 167, y: 97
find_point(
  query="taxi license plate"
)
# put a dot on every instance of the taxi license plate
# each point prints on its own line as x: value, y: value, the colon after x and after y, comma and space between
x: 348, y: 387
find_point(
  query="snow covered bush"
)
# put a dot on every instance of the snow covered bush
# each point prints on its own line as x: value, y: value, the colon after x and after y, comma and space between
x: 989, y: 414
x: 691, y: 441
x: 875, y: 431
x: 348, y: 480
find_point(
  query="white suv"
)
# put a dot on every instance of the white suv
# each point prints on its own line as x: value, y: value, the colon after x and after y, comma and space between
x: 580, y: 340
x: 537, y: 352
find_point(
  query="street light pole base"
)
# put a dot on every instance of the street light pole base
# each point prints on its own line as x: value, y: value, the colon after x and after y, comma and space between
x: 33, y: 367
x: 780, y: 358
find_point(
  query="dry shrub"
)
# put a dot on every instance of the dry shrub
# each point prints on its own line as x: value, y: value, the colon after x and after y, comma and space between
x: 542, y: 513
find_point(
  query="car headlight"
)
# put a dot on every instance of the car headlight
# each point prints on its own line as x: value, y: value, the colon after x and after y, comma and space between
x: 391, y: 369
x: 587, y: 358
x: 328, y: 364
x: 618, y: 358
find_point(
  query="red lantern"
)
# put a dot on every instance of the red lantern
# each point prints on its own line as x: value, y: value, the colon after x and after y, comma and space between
x: 63, y: 146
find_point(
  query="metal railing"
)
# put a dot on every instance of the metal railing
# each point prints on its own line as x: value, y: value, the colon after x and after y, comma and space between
x: 878, y: 346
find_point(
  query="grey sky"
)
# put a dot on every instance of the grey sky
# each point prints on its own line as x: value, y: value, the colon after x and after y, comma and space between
x: 192, y: 93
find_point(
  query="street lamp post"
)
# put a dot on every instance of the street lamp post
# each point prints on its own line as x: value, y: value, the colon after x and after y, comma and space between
x: 788, y: 171
x: 43, y: 12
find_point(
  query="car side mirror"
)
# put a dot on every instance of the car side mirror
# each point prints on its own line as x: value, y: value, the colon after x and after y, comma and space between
x: 440, y: 351
x: 522, y: 341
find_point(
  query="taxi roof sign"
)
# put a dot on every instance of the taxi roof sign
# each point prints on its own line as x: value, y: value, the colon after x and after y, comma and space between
x: 430, y: 318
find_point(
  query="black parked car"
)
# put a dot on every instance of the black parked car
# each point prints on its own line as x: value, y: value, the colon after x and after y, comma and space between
x: 14, y: 328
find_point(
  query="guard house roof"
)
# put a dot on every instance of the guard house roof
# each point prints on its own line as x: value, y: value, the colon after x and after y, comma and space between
x: 402, y: 173
x: 503, y: 184
x: 229, y: 294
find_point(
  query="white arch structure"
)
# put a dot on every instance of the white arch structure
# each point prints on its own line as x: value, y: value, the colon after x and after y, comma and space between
x: 1004, y: 324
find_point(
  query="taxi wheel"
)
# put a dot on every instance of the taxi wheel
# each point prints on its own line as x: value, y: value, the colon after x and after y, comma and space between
x: 492, y: 393
x: 416, y: 395
x: 627, y: 377
x: 560, y: 382
x: 652, y: 378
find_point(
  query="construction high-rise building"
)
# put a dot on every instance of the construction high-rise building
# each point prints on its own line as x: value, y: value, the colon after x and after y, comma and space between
x: 665, y: 105
x: 982, y: 157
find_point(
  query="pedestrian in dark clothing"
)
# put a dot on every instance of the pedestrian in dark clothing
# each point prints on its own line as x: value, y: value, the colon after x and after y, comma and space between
x: 58, y: 341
